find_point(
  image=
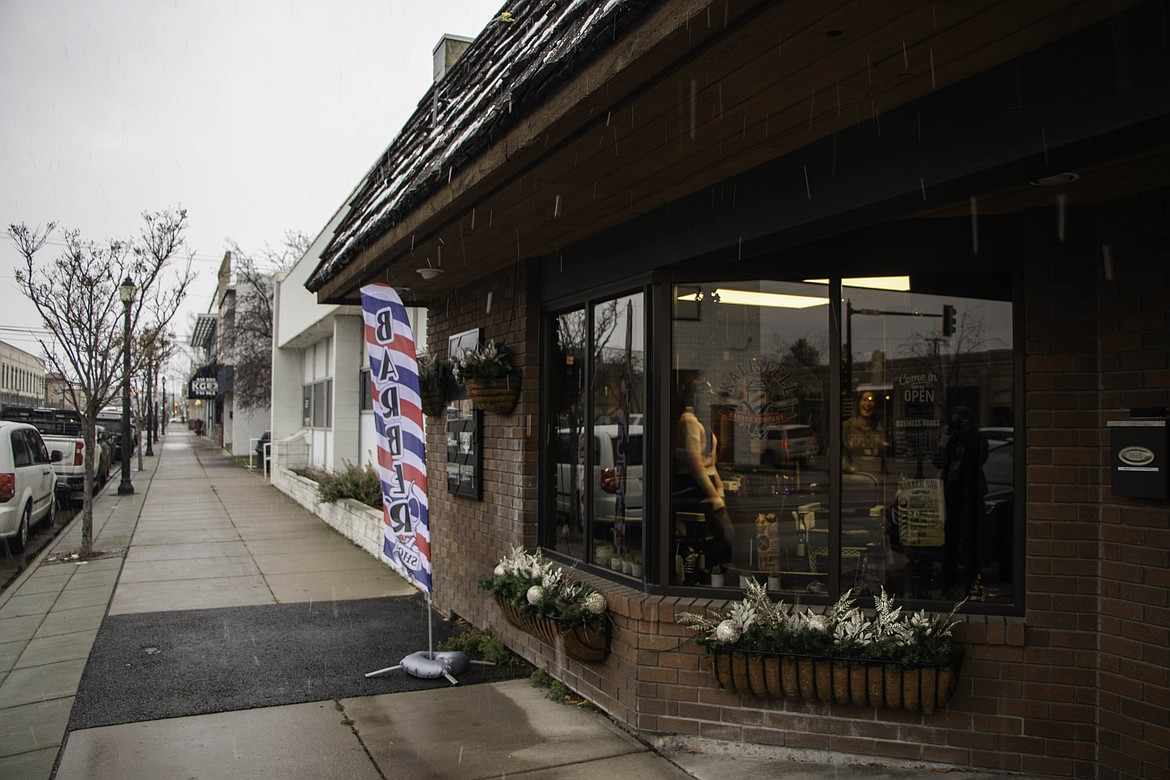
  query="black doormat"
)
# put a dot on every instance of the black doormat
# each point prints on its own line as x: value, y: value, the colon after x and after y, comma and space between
x: 158, y: 665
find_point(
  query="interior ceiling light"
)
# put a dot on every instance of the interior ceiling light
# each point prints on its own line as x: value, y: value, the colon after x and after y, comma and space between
x: 753, y: 298
x: 897, y: 283
x: 429, y: 272
x: 1056, y: 179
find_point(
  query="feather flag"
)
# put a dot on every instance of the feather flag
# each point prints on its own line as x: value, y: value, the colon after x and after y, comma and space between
x: 398, y: 422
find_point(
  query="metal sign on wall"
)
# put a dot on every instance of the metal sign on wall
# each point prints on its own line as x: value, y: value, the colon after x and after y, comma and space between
x: 210, y: 381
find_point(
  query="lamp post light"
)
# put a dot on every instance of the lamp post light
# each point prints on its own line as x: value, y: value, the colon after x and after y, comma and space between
x: 126, y: 291
x: 164, y: 408
x: 149, y: 408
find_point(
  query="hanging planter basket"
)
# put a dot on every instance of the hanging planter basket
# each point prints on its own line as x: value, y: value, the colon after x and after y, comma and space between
x: 587, y: 642
x: 823, y: 680
x: 498, y: 396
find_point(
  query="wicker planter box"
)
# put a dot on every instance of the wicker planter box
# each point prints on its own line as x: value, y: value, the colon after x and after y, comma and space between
x: 498, y: 396
x: 582, y: 641
x: 824, y: 680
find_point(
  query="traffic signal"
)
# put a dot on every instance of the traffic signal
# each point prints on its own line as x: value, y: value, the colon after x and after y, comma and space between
x: 948, y: 318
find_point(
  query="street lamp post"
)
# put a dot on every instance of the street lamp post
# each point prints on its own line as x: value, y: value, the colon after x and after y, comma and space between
x: 126, y: 292
x: 149, y: 408
x: 164, y: 408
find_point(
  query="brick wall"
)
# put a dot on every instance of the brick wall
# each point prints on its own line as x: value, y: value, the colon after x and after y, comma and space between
x: 1077, y: 688
x: 469, y: 537
x: 1102, y: 563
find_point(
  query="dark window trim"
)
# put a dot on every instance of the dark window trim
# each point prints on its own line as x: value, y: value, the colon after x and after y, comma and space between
x: 657, y: 287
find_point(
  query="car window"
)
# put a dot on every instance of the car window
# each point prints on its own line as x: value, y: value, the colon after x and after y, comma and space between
x: 37, y: 444
x: 21, y: 454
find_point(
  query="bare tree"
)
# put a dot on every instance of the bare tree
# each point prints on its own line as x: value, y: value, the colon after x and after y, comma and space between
x: 76, y: 295
x: 153, y: 348
x: 249, y: 339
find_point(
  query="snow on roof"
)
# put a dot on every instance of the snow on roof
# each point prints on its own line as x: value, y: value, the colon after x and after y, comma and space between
x: 532, y: 47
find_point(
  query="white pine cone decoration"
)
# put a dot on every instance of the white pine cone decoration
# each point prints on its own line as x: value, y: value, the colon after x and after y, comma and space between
x: 727, y: 632
x: 500, y: 570
x: 595, y: 603
x: 535, y: 594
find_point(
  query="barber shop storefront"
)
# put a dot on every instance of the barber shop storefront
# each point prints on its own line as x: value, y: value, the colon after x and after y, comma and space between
x: 809, y: 306
x: 205, y: 399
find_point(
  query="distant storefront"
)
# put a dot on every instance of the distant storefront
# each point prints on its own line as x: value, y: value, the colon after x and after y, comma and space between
x: 206, y: 390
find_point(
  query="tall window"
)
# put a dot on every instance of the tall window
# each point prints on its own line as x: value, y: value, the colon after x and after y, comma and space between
x: 750, y: 425
x: 595, y: 438
x: 928, y: 438
x: 317, y: 403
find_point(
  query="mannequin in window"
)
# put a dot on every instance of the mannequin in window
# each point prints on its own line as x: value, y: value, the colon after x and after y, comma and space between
x: 964, y: 488
x: 697, y: 486
x: 862, y: 440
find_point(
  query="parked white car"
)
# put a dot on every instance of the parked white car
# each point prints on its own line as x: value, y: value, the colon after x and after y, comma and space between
x: 27, y: 483
x: 786, y: 444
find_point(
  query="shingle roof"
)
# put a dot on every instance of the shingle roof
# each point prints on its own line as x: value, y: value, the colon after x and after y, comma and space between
x: 509, y: 69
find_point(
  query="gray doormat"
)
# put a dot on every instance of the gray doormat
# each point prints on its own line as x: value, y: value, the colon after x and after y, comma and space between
x: 170, y: 664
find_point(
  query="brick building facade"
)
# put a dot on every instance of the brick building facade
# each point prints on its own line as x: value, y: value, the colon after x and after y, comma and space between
x: 1032, y: 183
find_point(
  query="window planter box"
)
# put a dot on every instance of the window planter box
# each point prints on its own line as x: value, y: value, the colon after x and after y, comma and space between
x: 825, y: 680
x: 587, y: 642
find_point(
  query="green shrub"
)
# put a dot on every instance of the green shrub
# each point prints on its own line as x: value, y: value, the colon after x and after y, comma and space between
x: 481, y: 645
x: 361, y: 484
x: 557, y: 690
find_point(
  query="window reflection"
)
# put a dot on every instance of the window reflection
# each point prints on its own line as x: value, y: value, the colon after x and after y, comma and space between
x: 616, y: 485
x: 749, y: 485
x: 596, y: 442
x: 565, y: 445
x: 922, y: 374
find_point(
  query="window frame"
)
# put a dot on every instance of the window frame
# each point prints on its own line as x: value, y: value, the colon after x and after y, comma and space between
x: 656, y: 289
x: 310, y: 414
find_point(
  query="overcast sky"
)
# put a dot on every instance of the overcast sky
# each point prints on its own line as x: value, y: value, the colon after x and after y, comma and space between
x: 257, y: 116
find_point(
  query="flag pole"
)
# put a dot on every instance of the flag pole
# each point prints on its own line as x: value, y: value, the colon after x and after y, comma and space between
x: 402, y: 468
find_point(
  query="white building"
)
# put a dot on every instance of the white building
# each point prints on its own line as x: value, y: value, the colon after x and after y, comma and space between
x: 22, y: 377
x: 322, y: 415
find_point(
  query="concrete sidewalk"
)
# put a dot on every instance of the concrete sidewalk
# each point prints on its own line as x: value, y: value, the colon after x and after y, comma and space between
x: 203, y: 534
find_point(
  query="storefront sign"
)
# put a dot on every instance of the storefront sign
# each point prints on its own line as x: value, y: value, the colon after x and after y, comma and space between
x: 210, y: 381
x: 1139, y: 453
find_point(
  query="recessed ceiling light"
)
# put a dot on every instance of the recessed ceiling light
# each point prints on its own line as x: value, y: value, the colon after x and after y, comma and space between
x: 1056, y: 179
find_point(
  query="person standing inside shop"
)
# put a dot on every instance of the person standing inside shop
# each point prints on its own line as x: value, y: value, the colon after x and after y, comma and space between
x: 964, y: 488
x: 697, y: 485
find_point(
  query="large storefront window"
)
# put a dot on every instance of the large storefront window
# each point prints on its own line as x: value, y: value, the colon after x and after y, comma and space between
x: 820, y: 436
x: 595, y: 439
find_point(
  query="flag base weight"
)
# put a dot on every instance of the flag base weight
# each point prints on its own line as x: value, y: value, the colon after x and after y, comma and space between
x: 429, y: 665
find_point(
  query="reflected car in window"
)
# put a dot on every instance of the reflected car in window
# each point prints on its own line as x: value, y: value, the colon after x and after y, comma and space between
x: 607, y: 487
x: 784, y: 445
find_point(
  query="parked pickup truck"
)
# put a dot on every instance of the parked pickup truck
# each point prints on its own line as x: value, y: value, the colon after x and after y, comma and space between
x: 61, y: 430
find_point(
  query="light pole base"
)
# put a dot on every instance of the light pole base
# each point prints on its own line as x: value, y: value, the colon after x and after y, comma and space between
x: 125, y: 488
